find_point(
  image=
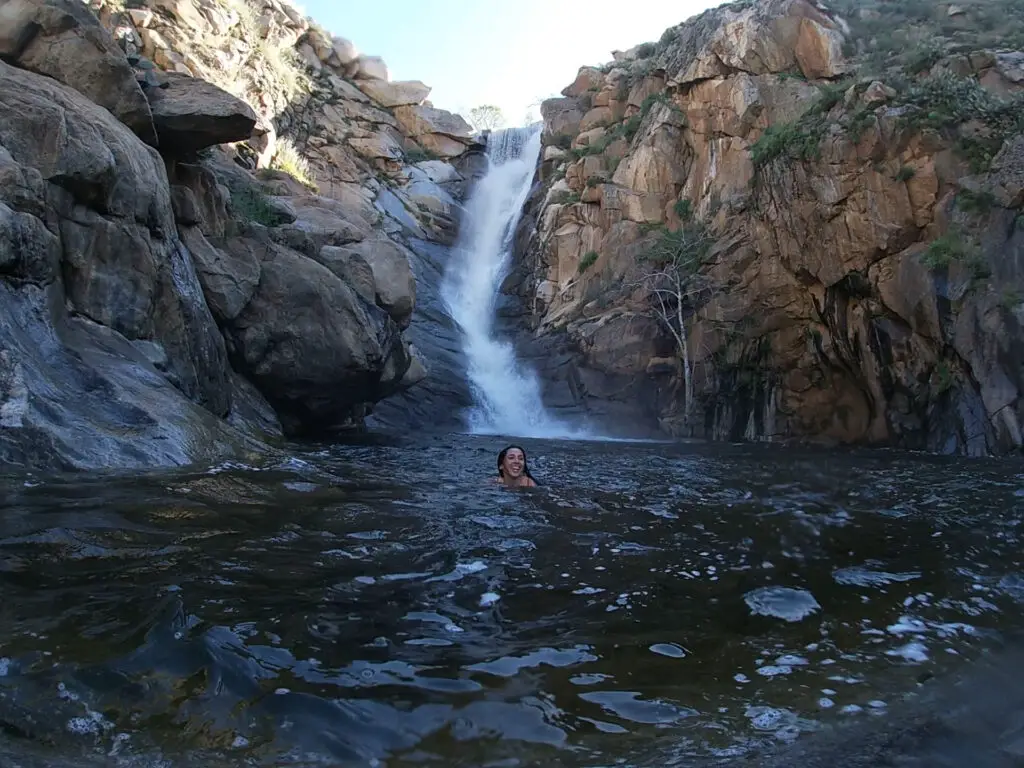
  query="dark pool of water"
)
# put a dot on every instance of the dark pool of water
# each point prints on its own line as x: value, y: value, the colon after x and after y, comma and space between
x: 385, y: 604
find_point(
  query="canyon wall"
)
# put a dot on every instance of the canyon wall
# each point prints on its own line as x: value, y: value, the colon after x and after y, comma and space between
x: 790, y: 220
x: 213, y: 215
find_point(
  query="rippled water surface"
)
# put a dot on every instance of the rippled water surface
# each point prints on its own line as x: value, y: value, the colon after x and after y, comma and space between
x: 385, y: 604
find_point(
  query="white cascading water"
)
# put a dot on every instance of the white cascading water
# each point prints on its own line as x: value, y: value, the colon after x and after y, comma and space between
x: 507, y: 394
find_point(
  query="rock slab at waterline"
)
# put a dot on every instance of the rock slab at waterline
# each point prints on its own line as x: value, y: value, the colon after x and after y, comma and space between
x: 196, y: 257
x: 859, y: 171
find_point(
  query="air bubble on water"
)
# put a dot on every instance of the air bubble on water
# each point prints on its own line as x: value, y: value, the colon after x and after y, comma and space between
x: 671, y: 650
x: 64, y: 693
x: 785, y: 603
x: 739, y: 677
x: 851, y: 709
x: 240, y: 742
x: 826, y: 703
x: 770, y: 718
x: 488, y: 599
x: 82, y: 726
x: 791, y: 661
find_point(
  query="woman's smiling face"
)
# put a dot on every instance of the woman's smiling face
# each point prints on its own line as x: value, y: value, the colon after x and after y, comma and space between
x: 514, y: 463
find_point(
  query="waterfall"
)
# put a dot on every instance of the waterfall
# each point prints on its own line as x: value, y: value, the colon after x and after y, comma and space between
x: 506, y: 393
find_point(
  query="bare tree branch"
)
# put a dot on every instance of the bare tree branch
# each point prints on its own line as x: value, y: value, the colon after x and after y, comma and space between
x: 674, y: 285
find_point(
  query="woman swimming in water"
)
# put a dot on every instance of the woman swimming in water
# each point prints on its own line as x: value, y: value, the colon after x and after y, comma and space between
x: 513, y: 471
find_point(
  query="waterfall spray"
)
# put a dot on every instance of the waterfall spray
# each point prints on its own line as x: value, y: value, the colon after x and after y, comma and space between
x: 507, y: 393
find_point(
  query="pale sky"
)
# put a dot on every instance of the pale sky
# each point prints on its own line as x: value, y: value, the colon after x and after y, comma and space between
x: 513, y: 53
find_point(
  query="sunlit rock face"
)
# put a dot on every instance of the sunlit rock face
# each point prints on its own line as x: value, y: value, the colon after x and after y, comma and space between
x: 863, y: 201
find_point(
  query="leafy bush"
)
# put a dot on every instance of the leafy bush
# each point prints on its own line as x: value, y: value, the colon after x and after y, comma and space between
x: 587, y: 261
x: 950, y: 248
x: 248, y: 203
x: 795, y: 140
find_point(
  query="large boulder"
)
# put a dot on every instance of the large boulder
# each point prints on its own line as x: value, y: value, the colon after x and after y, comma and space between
x: 436, y: 130
x: 310, y: 343
x: 394, y: 286
x: 397, y: 94
x: 191, y: 114
x: 123, y: 264
x: 63, y: 40
x: 420, y: 120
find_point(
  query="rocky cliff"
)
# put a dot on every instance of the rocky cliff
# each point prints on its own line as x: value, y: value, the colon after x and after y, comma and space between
x: 787, y: 220
x: 212, y: 217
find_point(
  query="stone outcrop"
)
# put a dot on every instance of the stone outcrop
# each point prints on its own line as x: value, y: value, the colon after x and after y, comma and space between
x: 211, y: 220
x: 190, y: 114
x: 858, y: 205
x: 63, y: 40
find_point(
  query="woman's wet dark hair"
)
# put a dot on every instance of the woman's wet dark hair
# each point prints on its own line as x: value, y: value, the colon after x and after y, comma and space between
x: 501, y: 460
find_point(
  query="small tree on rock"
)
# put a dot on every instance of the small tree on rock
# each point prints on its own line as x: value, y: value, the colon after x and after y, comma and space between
x: 486, y: 117
x: 671, y: 274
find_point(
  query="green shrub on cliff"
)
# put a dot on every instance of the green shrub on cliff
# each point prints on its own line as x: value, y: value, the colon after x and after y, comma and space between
x: 587, y: 261
x: 953, y: 247
x: 249, y: 204
x: 796, y: 140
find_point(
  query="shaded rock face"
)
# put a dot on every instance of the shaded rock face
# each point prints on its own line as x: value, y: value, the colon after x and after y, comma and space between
x: 191, y: 114
x: 168, y: 300
x: 861, y: 284
x: 305, y: 335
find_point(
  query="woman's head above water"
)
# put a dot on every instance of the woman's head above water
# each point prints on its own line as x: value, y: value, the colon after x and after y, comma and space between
x: 512, y: 467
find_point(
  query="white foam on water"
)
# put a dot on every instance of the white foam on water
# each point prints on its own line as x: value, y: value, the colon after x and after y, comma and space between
x: 915, y: 652
x: 774, y: 670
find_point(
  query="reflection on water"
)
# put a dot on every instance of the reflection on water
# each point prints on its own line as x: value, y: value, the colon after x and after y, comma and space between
x: 385, y: 604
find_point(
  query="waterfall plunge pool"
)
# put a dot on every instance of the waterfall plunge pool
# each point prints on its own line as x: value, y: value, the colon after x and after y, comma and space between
x: 651, y: 604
